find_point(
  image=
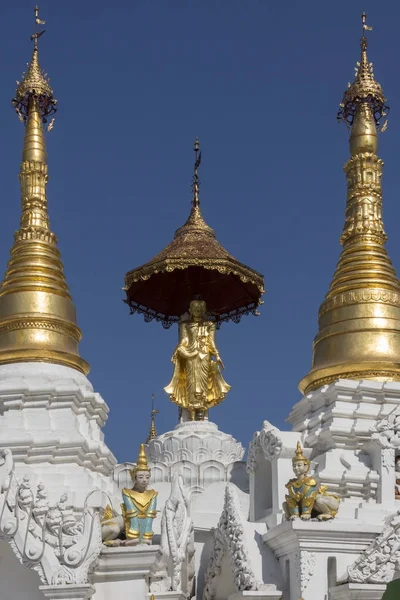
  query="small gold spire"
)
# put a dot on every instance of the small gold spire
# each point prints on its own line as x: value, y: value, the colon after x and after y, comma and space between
x: 153, y: 432
x: 37, y: 315
x: 359, y: 319
x: 195, y: 220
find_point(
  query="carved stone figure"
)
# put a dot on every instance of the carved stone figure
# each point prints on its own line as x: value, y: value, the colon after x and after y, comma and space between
x: 38, y: 537
x: 42, y: 502
x: 54, y: 521
x: 70, y: 524
x: 306, y: 498
x: 138, y: 510
x: 397, y: 475
x: 177, y: 537
x: 6, y: 468
x: 197, y: 383
x: 25, y: 494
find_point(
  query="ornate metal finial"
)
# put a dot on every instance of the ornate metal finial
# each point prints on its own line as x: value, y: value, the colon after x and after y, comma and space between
x: 364, y: 89
x: 154, y: 412
x: 196, y: 180
x: 35, y: 83
x: 35, y: 36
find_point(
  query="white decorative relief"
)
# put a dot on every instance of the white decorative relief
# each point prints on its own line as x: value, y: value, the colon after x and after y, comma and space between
x: 380, y: 561
x: 305, y: 565
x: 271, y: 441
x: 177, y: 570
x: 387, y: 430
x: 199, y: 451
x: 48, y: 539
x: 228, y: 538
x: 253, y: 453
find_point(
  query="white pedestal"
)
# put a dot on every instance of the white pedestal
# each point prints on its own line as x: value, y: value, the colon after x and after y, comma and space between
x: 67, y: 592
x: 259, y: 595
x: 357, y: 591
x: 306, y: 549
x: 123, y: 573
x: 168, y: 595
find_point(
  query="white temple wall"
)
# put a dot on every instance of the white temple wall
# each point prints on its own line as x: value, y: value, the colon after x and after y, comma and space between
x: 51, y: 420
x: 203, y: 545
x: 16, y: 581
x: 225, y: 584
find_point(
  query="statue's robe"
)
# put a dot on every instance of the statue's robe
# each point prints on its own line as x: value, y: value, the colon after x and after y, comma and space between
x: 197, y: 382
x: 138, y: 511
x: 301, y: 495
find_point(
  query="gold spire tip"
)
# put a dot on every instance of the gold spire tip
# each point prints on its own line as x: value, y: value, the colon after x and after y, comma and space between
x: 153, y: 432
x: 364, y: 89
x: 35, y: 83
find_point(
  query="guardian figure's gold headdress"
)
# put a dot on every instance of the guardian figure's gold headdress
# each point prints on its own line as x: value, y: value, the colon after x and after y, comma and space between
x: 141, y: 462
x: 299, y: 455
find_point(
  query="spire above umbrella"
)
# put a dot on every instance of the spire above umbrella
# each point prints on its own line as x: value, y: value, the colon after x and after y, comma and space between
x: 193, y: 264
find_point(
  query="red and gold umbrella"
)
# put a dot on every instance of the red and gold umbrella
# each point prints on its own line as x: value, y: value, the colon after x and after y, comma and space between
x: 194, y: 264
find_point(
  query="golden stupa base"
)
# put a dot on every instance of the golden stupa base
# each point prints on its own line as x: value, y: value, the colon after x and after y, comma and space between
x: 377, y: 371
x: 48, y: 356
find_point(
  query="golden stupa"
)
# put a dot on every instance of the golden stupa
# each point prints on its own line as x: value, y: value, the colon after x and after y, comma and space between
x: 37, y: 315
x: 359, y: 319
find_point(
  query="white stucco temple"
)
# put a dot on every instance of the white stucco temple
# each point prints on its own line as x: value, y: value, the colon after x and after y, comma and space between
x: 311, y: 514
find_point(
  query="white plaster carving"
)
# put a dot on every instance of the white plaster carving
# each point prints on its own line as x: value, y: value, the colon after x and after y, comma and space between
x: 387, y: 430
x: 176, y: 568
x: 50, y: 540
x: 253, y: 453
x: 199, y: 451
x: 270, y: 441
x: 305, y: 565
x: 379, y: 562
x: 228, y: 538
x: 177, y: 534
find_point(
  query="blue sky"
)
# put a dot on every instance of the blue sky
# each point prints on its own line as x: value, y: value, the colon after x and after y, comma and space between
x: 259, y: 83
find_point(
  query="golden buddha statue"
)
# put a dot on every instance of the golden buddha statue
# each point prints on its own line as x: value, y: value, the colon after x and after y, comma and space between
x: 197, y: 383
x: 306, y: 498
